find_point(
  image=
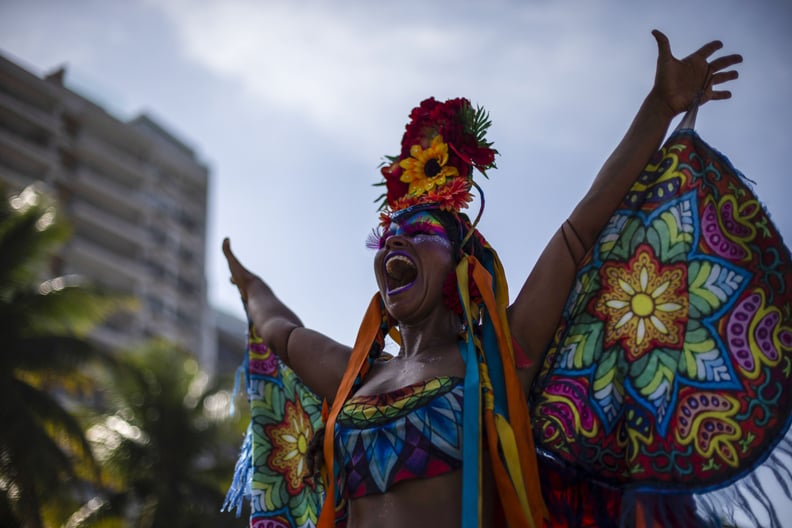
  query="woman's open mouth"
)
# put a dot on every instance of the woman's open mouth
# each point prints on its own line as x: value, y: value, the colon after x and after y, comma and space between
x: 400, y: 273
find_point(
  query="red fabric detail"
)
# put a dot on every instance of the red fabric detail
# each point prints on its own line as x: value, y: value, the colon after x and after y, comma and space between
x: 521, y: 359
x: 433, y: 468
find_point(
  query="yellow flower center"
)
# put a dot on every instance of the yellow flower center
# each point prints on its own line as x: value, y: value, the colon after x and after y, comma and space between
x: 302, y: 444
x: 642, y: 305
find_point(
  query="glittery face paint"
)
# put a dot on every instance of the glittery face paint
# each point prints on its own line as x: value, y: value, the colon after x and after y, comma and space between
x: 414, y: 258
x: 420, y: 224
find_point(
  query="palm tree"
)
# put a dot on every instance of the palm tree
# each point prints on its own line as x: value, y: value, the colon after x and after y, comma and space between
x: 43, y: 358
x: 168, y: 449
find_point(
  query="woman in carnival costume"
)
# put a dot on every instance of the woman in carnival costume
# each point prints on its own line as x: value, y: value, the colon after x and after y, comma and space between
x: 657, y: 320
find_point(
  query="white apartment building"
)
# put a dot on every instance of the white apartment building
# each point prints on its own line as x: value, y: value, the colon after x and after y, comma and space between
x: 135, y: 195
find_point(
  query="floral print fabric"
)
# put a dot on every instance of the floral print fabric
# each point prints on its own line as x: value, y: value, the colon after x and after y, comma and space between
x: 673, y: 367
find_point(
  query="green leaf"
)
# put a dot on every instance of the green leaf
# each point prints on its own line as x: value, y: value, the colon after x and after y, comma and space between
x: 582, y: 346
x: 608, y: 382
x: 698, y: 341
x: 710, y: 285
x: 621, y: 249
x: 660, y: 366
x: 669, y: 239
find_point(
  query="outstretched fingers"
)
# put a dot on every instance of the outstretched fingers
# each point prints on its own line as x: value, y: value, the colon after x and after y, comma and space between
x: 724, y: 62
x: 708, y: 49
x: 711, y: 95
x: 233, y: 262
x: 722, y: 77
x: 708, y: 94
x: 716, y: 77
x: 663, y: 45
x: 227, y: 248
x: 239, y: 273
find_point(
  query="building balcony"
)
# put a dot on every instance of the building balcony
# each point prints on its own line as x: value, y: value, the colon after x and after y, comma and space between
x: 12, y: 180
x: 28, y: 158
x: 122, y: 167
x: 106, y: 191
x: 94, y: 261
x: 30, y: 115
x: 110, y: 223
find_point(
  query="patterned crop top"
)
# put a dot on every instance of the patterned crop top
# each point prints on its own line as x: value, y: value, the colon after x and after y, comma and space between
x: 413, y: 432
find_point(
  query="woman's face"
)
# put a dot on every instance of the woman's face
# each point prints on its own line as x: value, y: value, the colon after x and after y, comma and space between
x: 414, y: 258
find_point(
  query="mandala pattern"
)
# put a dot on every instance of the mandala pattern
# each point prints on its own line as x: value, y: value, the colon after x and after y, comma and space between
x: 290, y: 446
x: 673, y: 368
x: 284, y: 417
x: 644, y: 303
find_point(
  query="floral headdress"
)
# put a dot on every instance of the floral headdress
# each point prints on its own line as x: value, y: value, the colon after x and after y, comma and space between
x: 442, y: 144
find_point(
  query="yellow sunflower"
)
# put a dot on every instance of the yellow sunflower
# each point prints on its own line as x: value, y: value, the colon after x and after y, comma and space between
x: 426, y: 168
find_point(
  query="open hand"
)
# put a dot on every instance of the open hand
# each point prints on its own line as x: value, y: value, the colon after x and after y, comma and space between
x: 240, y: 275
x: 682, y: 83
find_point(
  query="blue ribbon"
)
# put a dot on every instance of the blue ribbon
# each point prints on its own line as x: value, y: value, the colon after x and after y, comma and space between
x: 471, y: 430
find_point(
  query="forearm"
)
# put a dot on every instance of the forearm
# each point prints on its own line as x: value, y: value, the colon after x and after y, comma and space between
x: 538, y: 307
x: 621, y: 169
x: 534, y: 315
x: 273, y: 320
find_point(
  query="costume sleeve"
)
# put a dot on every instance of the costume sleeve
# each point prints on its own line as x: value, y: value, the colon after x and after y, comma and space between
x: 272, y: 472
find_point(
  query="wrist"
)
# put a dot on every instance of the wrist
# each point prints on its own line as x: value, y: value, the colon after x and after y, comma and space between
x: 659, y: 106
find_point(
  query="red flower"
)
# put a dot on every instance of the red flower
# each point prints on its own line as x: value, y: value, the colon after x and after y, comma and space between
x: 453, y: 196
x: 395, y: 187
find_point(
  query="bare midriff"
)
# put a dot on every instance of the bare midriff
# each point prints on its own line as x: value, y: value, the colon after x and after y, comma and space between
x: 421, y: 503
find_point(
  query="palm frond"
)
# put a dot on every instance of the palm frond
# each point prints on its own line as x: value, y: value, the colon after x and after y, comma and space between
x: 60, y: 354
x: 60, y: 426
x: 69, y: 310
x: 27, y: 237
x: 44, y: 453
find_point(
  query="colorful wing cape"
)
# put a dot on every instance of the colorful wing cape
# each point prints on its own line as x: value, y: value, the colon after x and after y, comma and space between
x: 671, y: 372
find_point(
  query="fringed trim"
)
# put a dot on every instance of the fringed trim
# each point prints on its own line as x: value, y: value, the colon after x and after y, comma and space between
x: 240, y: 374
x: 761, y: 498
x: 241, y: 485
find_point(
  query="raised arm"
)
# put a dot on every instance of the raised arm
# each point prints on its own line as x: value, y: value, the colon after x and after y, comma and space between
x: 678, y: 85
x: 318, y: 360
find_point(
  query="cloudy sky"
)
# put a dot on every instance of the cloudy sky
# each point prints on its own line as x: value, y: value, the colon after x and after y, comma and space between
x: 292, y: 105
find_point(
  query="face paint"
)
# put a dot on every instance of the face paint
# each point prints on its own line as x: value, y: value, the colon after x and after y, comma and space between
x: 420, y: 224
x: 414, y: 251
